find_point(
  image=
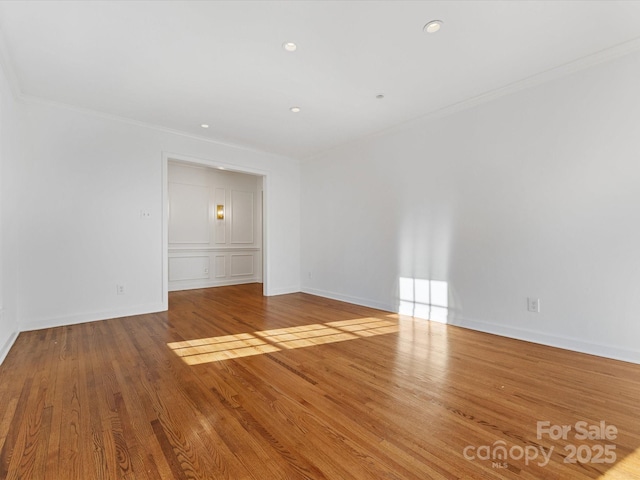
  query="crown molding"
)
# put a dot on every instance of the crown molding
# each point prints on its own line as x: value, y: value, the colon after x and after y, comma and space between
x: 558, y: 72
x: 532, y: 81
x: 6, y: 64
x: 33, y: 99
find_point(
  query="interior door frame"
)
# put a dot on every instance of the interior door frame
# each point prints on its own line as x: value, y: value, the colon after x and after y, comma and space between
x: 221, y: 165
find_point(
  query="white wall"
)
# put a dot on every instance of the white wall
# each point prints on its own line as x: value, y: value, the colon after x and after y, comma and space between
x: 205, y: 251
x: 80, y: 189
x: 10, y: 118
x: 535, y: 194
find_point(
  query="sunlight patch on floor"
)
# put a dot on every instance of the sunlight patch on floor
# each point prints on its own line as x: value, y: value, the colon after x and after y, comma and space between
x: 423, y: 298
x: 213, y: 349
x: 627, y: 468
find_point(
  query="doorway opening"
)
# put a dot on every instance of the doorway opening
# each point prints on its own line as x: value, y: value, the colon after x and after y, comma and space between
x: 214, y: 225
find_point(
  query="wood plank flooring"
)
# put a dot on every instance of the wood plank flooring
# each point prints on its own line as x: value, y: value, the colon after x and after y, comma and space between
x: 232, y: 385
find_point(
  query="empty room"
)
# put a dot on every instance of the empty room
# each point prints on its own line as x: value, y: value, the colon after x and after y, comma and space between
x: 322, y: 240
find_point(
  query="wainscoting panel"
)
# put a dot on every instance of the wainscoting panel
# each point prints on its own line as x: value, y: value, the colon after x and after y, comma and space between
x: 230, y: 266
x: 188, y: 268
x: 205, y: 251
x: 241, y: 265
x: 220, y: 266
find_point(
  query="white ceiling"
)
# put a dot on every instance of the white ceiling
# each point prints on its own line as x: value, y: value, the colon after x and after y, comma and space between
x: 180, y: 64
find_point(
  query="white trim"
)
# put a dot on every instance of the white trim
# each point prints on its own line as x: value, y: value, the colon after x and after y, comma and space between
x: 350, y: 299
x: 27, y: 98
x: 558, y: 341
x: 197, y: 285
x: 4, y: 350
x: 281, y: 291
x: 266, y: 179
x: 211, y: 163
x: 164, y: 232
x: 563, y: 70
x: 212, y: 249
x: 558, y: 72
x: 231, y: 264
x: 51, y: 322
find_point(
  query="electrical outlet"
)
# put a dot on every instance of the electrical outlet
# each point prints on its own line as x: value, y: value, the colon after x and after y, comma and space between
x: 309, y: 274
x: 145, y: 214
x: 206, y: 270
x: 533, y: 304
x: 120, y: 289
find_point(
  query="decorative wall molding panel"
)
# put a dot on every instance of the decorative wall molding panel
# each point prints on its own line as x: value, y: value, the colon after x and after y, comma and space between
x: 241, y: 264
x: 213, y: 249
x: 213, y: 268
x: 194, y: 284
x: 242, y: 220
x: 220, y: 266
x: 201, y: 252
x: 188, y: 214
x: 188, y: 268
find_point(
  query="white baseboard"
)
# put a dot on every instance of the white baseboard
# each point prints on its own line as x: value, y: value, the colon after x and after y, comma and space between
x: 567, y: 343
x: 282, y: 291
x: 4, y: 349
x: 197, y: 284
x: 271, y: 293
x: 51, y: 322
x: 559, y: 341
x: 349, y: 299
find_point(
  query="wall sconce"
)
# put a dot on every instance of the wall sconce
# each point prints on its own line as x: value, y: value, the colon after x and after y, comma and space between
x: 220, y: 212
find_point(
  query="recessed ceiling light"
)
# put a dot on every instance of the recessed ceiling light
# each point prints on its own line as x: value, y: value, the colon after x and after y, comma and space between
x: 380, y: 96
x: 204, y: 125
x: 289, y: 46
x: 433, y: 26
x: 295, y: 109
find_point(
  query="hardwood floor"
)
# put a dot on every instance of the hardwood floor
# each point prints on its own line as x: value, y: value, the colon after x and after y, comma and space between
x: 229, y: 384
